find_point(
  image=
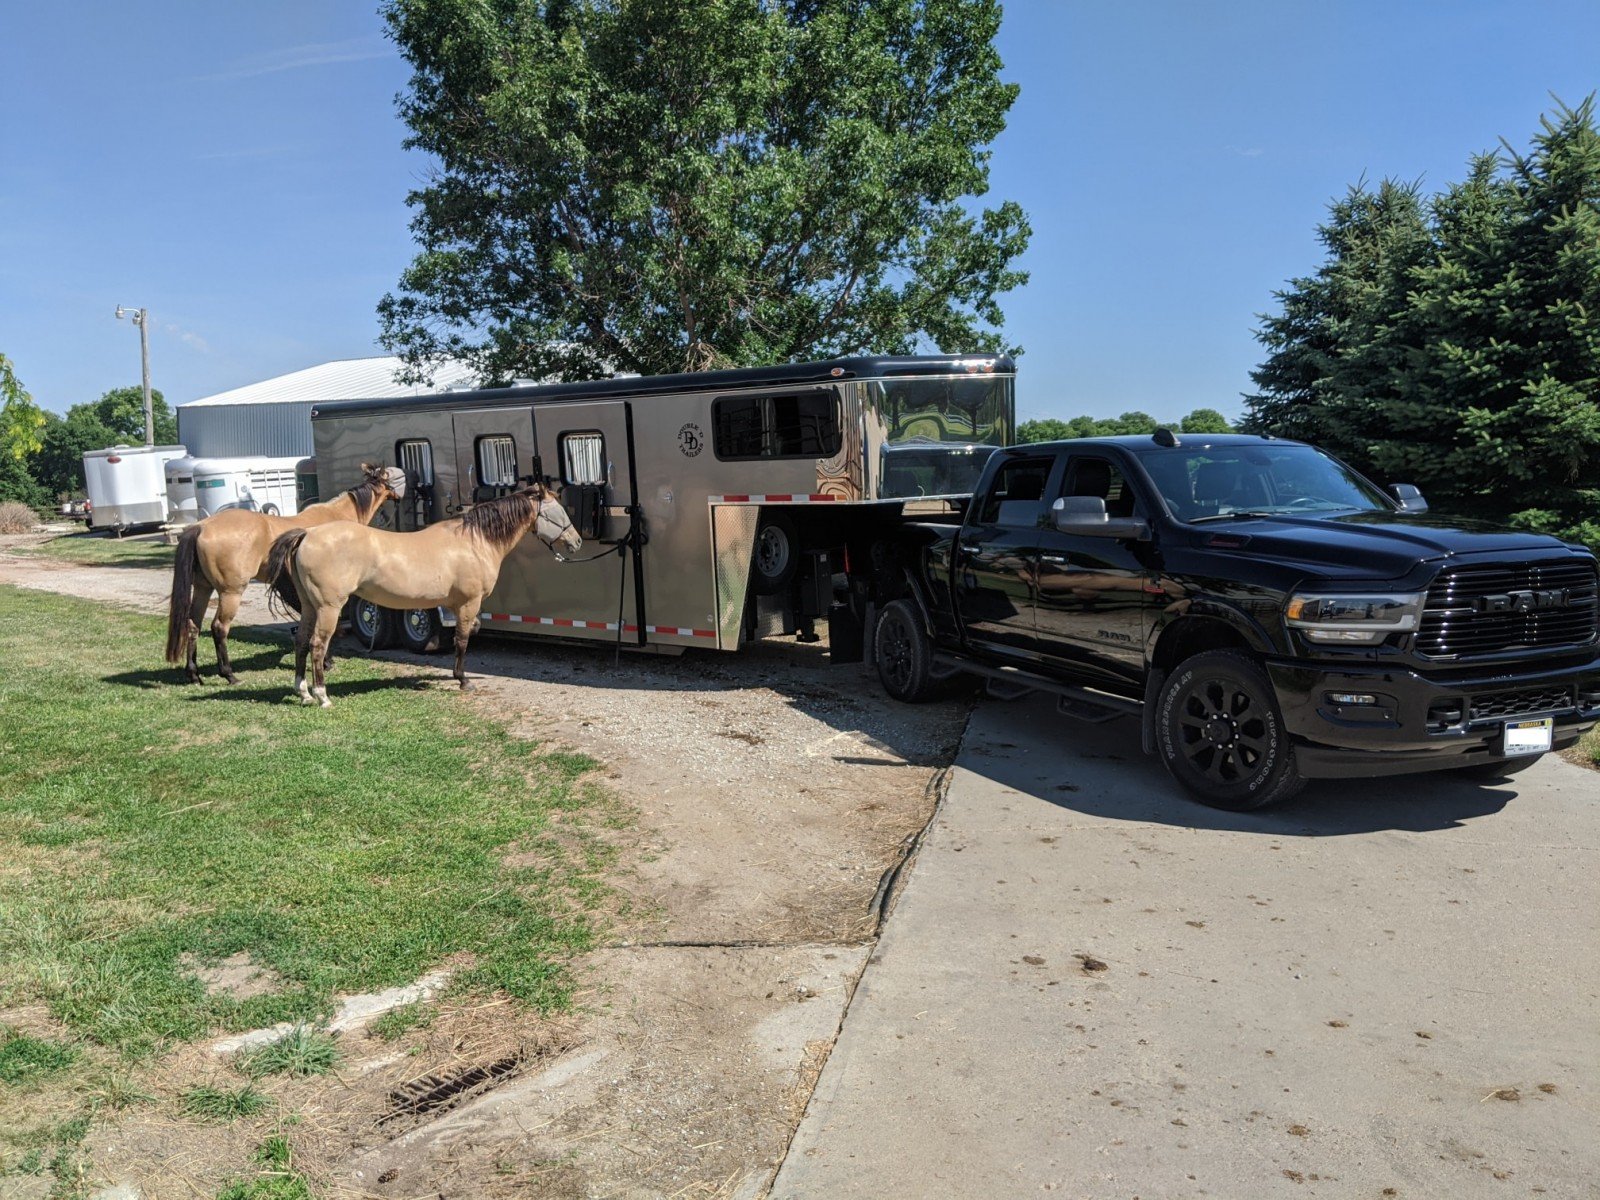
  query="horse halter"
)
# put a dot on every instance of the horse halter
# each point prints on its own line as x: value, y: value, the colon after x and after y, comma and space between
x: 541, y: 516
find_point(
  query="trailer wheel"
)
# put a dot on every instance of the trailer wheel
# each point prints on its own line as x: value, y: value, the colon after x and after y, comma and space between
x: 419, y: 630
x: 777, y: 554
x: 373, y: 625
x: 269, y: 510
x: 904, y: 656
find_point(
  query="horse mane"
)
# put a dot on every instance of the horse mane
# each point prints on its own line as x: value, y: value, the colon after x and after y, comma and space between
x: 363, y: 493
x: 503, y: 520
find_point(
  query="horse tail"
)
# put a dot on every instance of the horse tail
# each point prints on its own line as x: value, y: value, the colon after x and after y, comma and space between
x: 183, y: 568
x: 280, y: 573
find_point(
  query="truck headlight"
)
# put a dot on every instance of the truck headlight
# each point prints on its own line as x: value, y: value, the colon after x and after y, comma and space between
x: 1358, y: 618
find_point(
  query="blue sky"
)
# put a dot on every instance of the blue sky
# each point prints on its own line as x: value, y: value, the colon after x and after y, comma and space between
x: 238, y: 170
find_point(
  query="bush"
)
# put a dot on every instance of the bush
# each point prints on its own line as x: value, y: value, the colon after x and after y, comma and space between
x: 17, y: 517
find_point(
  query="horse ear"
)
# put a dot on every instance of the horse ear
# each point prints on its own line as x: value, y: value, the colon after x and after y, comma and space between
x: 368, y: 469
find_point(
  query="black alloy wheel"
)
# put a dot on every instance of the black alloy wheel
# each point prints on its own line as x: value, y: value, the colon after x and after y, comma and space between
x: 903, y: 654
x: 1221, y: 736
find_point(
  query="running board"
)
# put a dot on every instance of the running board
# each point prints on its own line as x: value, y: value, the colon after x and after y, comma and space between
x: 1010, y: 683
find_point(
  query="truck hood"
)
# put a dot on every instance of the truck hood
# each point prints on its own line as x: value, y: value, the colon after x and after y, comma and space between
x: 1373, y: 545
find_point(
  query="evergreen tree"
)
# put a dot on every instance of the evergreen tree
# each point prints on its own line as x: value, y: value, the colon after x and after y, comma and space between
x: 1455, y: 345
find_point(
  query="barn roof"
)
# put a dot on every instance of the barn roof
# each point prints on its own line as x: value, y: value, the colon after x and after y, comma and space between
x: 343, y: 379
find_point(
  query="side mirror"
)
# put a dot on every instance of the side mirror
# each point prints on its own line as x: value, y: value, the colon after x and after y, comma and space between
x: 1410, y: 498
x: 1087, y: 515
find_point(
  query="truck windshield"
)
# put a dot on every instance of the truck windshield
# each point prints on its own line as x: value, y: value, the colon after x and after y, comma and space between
x: 1209, y: 482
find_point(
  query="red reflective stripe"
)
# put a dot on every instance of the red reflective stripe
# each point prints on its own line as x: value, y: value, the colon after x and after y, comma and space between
x: 778, y: 497
x: 734, y: 499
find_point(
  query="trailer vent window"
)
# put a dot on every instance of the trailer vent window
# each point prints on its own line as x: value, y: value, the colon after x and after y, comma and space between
x: 583, y: 458
x: 805, y: 425
x: 497, y: 461
x: 416, y: 460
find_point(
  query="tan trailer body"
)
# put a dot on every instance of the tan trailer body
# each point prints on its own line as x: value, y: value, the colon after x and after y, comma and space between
x: 700, y: 469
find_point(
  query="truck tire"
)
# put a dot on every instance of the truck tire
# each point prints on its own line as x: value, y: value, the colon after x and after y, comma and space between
x: 418, y: 630
x: 372, y: 624
x: 776, y: 555
x: 1221, y: 736
x: 904, y: 655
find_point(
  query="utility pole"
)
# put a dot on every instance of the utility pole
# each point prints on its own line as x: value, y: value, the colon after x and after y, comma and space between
x: 141, y: 318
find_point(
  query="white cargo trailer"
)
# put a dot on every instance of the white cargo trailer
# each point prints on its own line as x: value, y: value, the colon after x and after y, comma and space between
x: 182, y: 508
x: 127, y: 486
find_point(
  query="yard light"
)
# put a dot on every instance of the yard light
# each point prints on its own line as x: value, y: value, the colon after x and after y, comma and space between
x: 141, y: 318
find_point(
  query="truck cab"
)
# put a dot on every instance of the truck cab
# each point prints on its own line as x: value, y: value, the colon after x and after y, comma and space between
x: 1267, y: 613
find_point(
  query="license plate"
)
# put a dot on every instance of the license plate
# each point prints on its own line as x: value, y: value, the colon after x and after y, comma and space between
x: 1528, y: 737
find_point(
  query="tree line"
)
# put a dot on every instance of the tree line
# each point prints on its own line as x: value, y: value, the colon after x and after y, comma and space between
x: 1053, y: 429
x: 1453, y: 340
x: 41, y: 453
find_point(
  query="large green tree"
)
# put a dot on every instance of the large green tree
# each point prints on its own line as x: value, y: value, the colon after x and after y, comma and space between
x: 1455, y: 342
x: 22, y: 425
x: 648, y: 186
x: 117, y: 417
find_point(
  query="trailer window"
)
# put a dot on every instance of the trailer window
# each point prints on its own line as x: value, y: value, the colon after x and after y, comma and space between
x: 583, y: 458
x: 801, y: 425
x: 497, y: 461
x: 416, y: 460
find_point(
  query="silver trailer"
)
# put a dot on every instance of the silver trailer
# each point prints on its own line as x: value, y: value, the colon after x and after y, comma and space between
x: 716, y: 508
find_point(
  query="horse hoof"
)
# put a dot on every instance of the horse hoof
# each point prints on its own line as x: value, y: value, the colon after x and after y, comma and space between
x: 468, y: 686
x: 232, y: 680
x: 325, y: 703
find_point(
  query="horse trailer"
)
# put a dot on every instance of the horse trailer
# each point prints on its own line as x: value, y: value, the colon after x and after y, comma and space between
x: 127, y: 486
x: 259, y: 484
x: 716, y: 507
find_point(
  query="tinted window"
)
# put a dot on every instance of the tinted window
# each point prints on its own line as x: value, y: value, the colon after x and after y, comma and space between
x: 803, y: 425
x: 1103, y: 479
x: 1018, y: 484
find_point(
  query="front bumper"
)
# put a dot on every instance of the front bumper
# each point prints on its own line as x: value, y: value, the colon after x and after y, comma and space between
x: 1421, y: 723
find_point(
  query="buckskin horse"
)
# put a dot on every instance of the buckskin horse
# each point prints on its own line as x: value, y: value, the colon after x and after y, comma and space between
x: 224, y: 552
x: 452, y: 564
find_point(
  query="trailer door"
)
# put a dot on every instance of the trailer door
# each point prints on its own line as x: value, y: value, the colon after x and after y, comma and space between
x: 495, y: 448
x: 589, y: 448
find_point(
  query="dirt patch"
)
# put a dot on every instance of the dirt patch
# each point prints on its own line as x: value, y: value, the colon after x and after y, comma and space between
x: 235, y: 976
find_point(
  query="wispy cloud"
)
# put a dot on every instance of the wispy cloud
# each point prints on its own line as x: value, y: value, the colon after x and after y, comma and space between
x: 312, y: 54
x: 188, y: 337
x: 1246, y: 151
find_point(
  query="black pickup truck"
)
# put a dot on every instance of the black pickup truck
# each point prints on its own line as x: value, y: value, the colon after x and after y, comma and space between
x: 1269, y: 615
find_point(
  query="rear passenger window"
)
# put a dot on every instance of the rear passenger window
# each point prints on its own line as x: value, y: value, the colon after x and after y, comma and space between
x: 1017, y: 497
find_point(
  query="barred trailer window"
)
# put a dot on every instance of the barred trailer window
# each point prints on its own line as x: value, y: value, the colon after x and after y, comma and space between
x: 583, y: 458
x: 416, y: 460
x: 497, y: 461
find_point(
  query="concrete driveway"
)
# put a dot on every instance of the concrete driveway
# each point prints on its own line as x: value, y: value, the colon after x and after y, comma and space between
x: 1094, y: 987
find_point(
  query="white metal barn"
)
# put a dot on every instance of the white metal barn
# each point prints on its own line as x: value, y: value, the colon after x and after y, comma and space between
x: 272, y: 418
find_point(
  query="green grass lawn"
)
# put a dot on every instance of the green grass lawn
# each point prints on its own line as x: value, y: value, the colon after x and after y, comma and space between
x: 1590, y: 746
x: 147, y: 826
x: 96, y: 550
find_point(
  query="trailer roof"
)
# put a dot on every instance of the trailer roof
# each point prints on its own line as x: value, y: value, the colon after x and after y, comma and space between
x: 825, y: 371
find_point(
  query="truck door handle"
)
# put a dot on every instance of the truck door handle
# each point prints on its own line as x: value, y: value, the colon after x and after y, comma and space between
x: 1058, y: 559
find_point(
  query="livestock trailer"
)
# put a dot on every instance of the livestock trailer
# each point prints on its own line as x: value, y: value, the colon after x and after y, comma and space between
x: 182, y: 507
x: 715, y: 507
x: 259, y: 484
x: 127, y: 486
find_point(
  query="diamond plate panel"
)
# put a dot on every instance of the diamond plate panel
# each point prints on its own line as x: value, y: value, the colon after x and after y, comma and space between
x: 733, y: 540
